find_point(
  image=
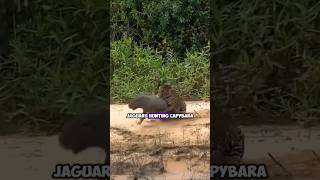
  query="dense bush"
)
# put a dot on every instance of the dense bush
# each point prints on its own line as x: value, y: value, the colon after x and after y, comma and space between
x: 162, y: 24
x: 138, y: 70
x: 265, y: 53
x: 51, y: 54
x: 54, y: 60
x: 158, y: 42
x: 268, y: 55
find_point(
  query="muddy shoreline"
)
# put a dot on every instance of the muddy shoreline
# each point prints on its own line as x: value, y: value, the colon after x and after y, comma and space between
x: 179, y: 146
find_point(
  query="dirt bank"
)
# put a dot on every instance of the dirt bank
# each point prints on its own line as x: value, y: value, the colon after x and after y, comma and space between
x: 171, y: 149
x: 165, y: 149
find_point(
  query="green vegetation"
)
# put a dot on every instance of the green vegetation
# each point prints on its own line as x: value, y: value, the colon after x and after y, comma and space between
x: 53, y: 62
x: 52, y: 55
x: 155, y: 42
x: 136, y: 70
x: 265, y: 54
x: 165, y: 25
x: 268, y: 56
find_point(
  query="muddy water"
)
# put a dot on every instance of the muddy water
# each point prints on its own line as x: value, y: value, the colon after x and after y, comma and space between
x: 171, y: 134
x: 24, y: 157
x: 174, y: 129
x: 296, y: 149
x: 279, y: 141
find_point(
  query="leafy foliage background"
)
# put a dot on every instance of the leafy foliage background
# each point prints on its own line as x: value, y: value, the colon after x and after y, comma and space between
x: 52, y: 62
x: 266, y: 55
x: 156, y: 42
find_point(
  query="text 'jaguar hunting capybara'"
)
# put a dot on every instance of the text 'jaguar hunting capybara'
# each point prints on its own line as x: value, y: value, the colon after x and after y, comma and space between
x: 148, y: 104
x: 88, y: 130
